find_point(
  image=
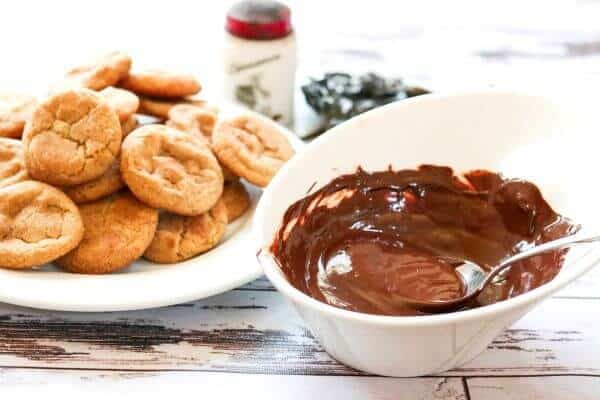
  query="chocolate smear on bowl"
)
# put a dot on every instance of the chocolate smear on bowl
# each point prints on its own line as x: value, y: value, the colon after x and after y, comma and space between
x: 365, y: 240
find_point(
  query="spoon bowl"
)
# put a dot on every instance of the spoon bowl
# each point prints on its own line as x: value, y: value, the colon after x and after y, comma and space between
x: 475, y: 278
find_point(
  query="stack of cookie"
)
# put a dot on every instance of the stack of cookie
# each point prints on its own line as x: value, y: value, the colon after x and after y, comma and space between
x: 91, y: 189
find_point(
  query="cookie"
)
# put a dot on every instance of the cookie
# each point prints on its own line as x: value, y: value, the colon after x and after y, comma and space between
x: 129, y: 126
x: 253, y: 148
x: 161, y: 84
x: 179, y: 238
x: 73, y: 137
x: 228, y: 175
x: 105, y: 72
x: 170, y: 169
x: 118, y: 229
x: 110, y: 182
x: 38, y: 223
x: 192, y: 119
x: 199, y: 136
x: 15, y: 110
x: 12, y: 162
x: 122, y: 101
x: 160, y: 108
x: 236, y: 200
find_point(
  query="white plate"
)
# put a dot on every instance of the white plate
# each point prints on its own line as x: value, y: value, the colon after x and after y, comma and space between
x: 144, y: 284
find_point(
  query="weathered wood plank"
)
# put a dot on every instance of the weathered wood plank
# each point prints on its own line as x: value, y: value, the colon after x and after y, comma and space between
x: 561, y: 336
x: 534, y: 388
x: 241, y: 331
x: 225, y: 386
x: 257, y: 332
x: 260, y: 284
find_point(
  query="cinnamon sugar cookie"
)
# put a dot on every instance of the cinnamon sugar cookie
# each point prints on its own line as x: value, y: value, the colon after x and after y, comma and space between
x: 253, y: 148
x: 192, y: 119
x: 15, y: 110
x: 38, y: 224
x: 178, y: 238
x: 110, y: 182
x: 170, y: 169
x: 12, y: 162
x: 102, y: 73
x: 236, y: 200
x: 118, y: 229
x: 161, y: 84
x: 129, y: 125
x: 200, y: 137
x: 73, y: 137
x: 160, y: 108
x: 228, y: 175
x: 122, y: 101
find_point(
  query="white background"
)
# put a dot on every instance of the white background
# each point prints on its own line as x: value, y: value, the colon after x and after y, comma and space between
x: 42, y: 38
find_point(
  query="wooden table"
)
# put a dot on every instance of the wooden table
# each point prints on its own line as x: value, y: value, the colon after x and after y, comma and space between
x: 249, y: 342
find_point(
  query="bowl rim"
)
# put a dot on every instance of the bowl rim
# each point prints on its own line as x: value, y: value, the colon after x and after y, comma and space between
x: 274, y: 274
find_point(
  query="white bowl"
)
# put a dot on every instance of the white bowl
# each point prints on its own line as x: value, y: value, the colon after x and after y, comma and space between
x: 551, y: 142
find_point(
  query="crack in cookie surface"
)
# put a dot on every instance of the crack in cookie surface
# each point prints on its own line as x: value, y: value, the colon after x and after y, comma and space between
x: 12, y: 162
x: 179, y: 237
x: 252, y: 148
x: 72, y: 138
x: 118, y: 229
x: 170, y: 169
x: 39, y: 223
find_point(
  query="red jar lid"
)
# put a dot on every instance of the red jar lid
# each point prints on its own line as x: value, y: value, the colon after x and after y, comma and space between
x: 259, y: 20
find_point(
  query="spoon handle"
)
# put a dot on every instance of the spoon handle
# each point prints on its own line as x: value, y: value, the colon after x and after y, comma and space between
x: 542, y: 248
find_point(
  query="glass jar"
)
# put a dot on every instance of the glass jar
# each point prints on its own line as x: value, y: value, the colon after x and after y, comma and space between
x: 260, y: 58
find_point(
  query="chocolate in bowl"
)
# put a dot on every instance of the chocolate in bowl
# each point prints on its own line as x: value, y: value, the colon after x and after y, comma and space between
x: 365, y: 239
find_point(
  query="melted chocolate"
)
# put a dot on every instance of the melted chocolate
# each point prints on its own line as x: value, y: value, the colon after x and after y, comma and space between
x: 365, y: 239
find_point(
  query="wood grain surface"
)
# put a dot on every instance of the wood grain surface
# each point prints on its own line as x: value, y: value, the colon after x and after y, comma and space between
x: 250, y: 338
x: 252, y: 330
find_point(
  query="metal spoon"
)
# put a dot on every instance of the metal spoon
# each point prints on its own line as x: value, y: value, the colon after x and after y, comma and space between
x: 476, y: 278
